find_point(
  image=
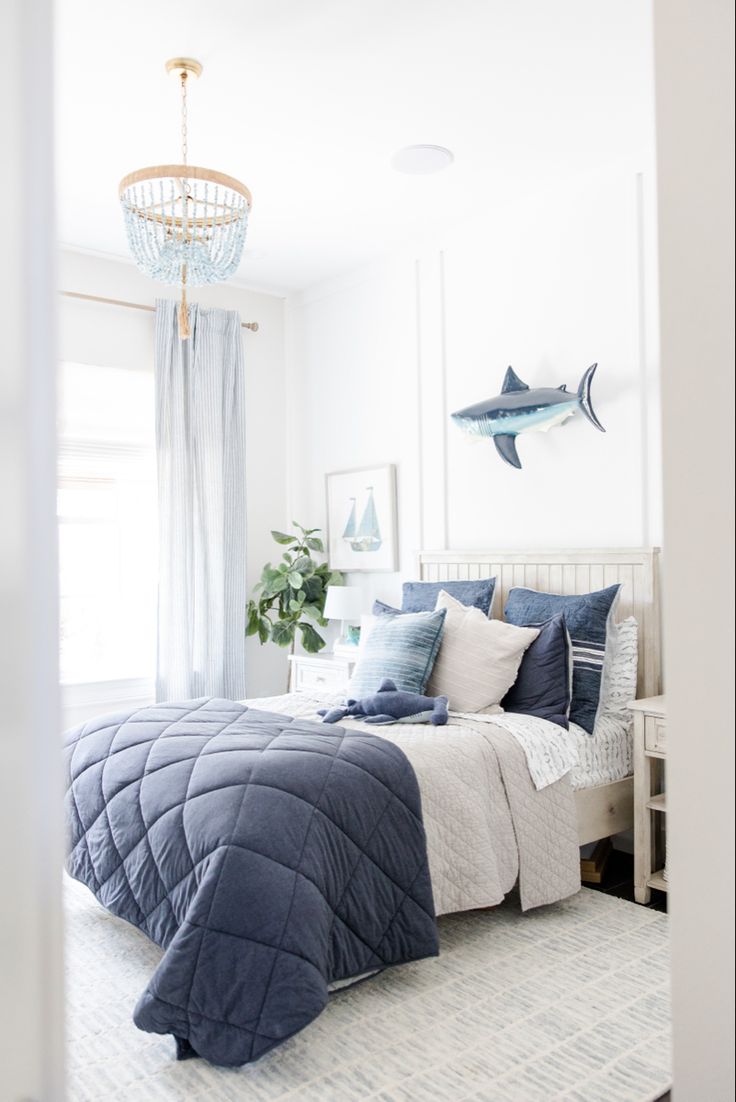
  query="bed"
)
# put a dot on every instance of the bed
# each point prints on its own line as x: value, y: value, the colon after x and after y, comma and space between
x: 601, y: 780
x: 602, y: 809
x: 273, y: 856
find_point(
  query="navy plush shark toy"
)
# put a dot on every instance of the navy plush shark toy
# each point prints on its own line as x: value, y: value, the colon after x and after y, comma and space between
x: 521, y: 409
x: 391, y: 705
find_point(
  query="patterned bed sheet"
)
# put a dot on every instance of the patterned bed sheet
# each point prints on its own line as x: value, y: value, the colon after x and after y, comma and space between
x: 603, y: 757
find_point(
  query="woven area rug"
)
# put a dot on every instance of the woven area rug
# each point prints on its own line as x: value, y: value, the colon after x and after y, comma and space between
x: 567, y: 1002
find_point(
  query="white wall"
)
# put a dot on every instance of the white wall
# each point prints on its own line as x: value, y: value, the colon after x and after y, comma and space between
x: 31, y: 978
x: 353, y: 392
x: 694, y: 55
x: 113, y: 336
x: 381, y: 358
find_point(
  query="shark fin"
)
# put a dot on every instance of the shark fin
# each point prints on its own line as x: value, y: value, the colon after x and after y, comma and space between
x: 563, y: 387
x: 506, y: 448
x: 511, y: 382
x: 584, y: 397
x: 387, y: 686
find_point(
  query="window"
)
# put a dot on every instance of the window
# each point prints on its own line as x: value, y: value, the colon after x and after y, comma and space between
x: 107, y: 524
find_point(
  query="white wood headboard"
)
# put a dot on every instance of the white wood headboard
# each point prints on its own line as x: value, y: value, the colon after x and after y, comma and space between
x: 569, y: 572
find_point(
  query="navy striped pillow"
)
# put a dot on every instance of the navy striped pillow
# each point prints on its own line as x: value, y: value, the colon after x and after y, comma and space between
x: 402, y: 647
x: 586, y: 616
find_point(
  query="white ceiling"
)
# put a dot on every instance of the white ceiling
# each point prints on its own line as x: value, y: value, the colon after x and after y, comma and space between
x: 307, y: 100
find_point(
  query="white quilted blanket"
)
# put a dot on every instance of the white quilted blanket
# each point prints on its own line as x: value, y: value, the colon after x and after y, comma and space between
x: 487, y: 825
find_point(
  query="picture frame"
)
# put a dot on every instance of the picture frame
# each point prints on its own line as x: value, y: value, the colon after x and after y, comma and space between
x: 362, y: 526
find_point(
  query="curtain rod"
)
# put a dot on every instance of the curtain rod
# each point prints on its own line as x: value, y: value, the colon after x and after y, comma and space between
x: 252, y: 325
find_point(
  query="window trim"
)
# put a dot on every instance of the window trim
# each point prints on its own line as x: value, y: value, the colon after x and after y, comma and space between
x: 83, y: 700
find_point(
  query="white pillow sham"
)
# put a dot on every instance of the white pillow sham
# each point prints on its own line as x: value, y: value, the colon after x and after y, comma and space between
x: 620, y: 666
x: 478, y: 659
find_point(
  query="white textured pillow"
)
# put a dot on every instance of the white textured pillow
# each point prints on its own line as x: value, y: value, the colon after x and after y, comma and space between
x: 620, y: 666
x: 479, y: 658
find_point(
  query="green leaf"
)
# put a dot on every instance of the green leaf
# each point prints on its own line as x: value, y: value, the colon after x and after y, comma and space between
x: 335, y: 578
x: 313, y: 588
x: 282, y: 633
x: 313, y: 611
x: 294, y: 579
x: 303, y: 565
x: 315, y: 544
x: 281, y: 537
x: 294, y: 606
x: 279, y: 585
x: 312, y: 641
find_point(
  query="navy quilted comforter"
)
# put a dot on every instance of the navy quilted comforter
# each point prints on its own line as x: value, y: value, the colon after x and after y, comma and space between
x: 268, y: 856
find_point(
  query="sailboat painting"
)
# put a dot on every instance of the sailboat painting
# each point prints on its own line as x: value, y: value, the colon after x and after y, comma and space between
x: 367, y: 536
x: 361, y: 519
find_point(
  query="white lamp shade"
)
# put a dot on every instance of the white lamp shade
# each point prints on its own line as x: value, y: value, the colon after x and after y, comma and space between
x: 343, y: 602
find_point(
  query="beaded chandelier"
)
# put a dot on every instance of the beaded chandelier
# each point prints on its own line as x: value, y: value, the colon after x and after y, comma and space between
x: 185, y: 224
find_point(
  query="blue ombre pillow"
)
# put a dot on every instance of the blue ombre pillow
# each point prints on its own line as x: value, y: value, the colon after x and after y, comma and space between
x: 422, y: 596
x: 587, y: 617
x: 542, y: 686
x: 402, y: 648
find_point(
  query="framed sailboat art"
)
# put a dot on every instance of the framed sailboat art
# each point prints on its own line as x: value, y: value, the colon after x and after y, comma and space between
x: 361, y: 519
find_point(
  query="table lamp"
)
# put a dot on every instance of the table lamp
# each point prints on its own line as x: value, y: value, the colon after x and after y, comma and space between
x: 343, y: 602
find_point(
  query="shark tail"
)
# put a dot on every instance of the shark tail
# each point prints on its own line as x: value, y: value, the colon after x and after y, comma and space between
x: 584, y: 397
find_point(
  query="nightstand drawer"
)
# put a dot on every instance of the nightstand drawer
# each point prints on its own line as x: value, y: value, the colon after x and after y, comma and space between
x: 318, y: 676
x: 655, y: 734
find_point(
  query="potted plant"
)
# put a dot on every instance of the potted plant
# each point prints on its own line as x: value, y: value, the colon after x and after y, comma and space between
x: 291, y: 595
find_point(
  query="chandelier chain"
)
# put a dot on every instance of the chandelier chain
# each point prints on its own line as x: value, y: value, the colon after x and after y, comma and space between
x: 184, y: 136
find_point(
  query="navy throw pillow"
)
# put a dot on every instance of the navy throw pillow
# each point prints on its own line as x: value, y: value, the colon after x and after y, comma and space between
x: 542, y: 686
x: 422, y: 596
x: 586, y: 617
x: 380, y: 608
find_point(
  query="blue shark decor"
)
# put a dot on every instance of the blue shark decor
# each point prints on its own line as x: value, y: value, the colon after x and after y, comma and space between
x: 391, y: 705
x: 521, y: 409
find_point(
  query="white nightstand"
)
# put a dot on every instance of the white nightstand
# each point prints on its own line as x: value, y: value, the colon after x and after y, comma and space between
x: 650, y: 802
x: 325, y: 674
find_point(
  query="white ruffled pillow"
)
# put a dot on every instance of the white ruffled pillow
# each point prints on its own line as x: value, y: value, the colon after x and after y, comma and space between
x: 478, y: 659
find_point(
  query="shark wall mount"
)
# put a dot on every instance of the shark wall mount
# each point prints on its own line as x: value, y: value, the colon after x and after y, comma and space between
x: 519, y: 408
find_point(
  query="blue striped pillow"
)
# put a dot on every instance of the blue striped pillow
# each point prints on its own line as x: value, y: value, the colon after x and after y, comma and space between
x: 402, y: 647
x: 586, y: 617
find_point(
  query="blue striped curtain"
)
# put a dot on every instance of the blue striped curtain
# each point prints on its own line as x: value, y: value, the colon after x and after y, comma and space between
x: 200, y: 446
